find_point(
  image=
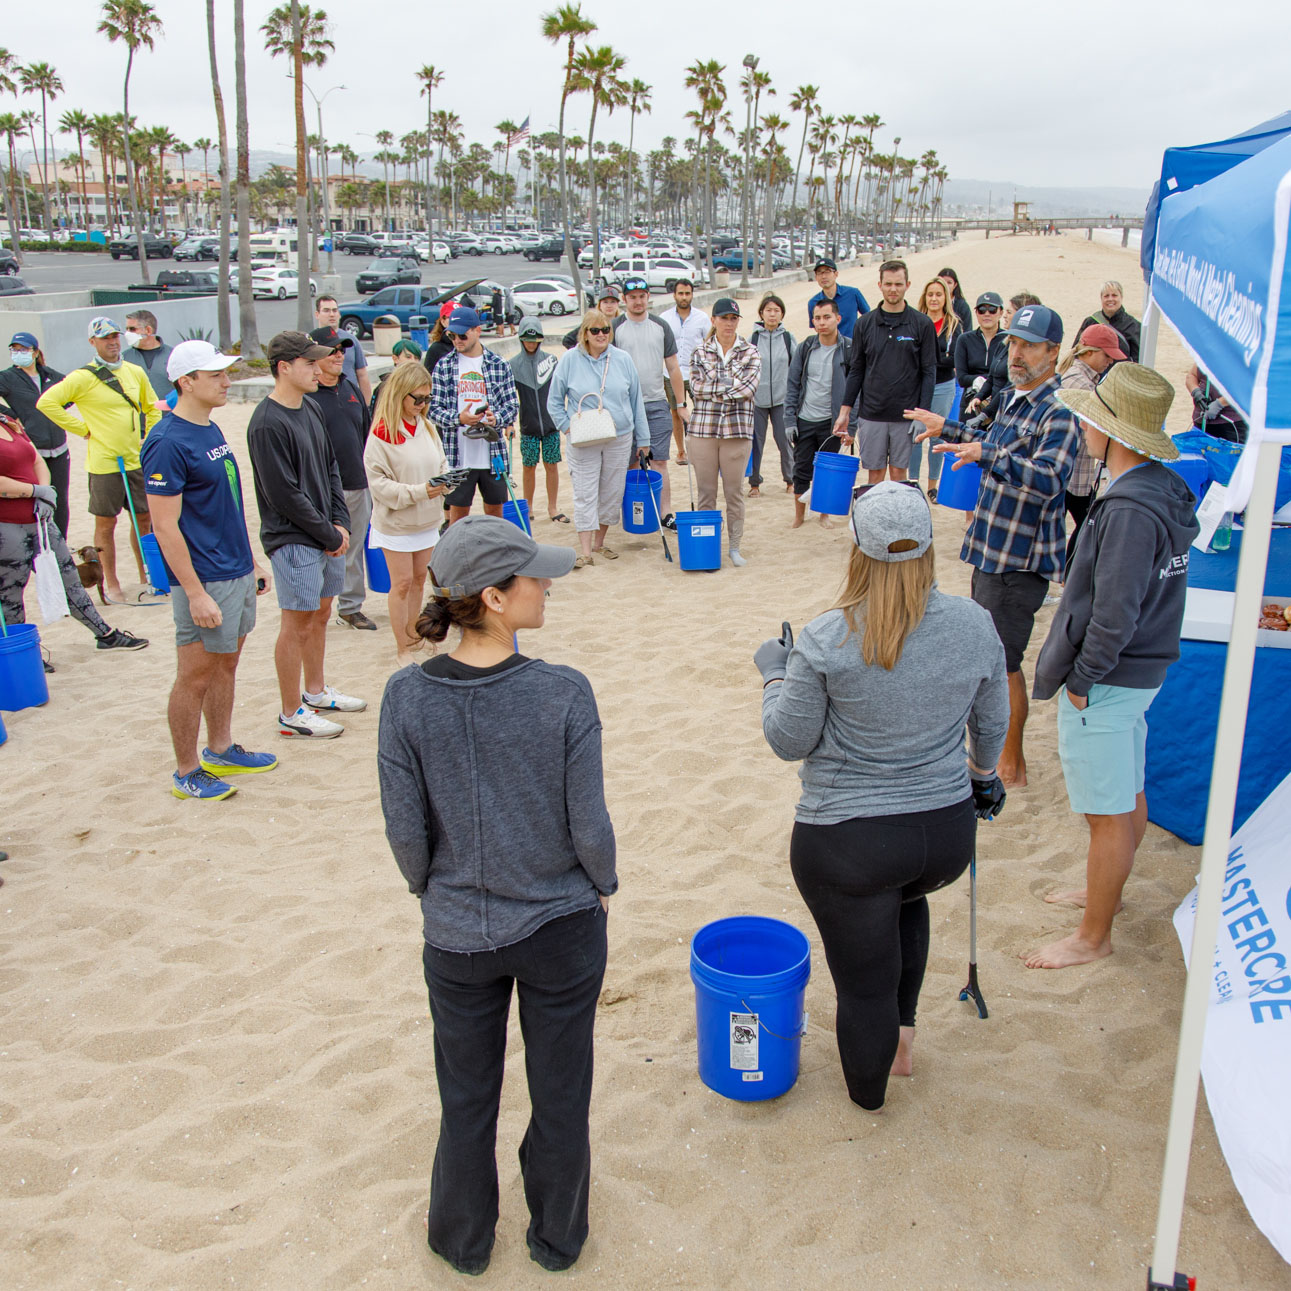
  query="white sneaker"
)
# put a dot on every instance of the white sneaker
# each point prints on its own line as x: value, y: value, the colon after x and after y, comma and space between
x: 306, y: 722
x: 330, y: 700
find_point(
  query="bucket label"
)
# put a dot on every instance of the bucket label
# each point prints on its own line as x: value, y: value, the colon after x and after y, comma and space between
x: 744, y: 1041
x: 751, y: 1077
x: 704, y: 531
x: 638, y: 513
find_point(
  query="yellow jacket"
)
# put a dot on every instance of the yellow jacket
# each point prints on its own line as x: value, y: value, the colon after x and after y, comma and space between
x: 106, y: 420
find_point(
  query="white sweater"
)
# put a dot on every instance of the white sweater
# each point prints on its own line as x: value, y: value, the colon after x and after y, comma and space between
x: 397, y: 475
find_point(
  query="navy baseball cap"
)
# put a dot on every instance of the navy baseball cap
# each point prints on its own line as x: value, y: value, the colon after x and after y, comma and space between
x: 1036, y: 323
x: 462, y: 319
x: 26, y: 340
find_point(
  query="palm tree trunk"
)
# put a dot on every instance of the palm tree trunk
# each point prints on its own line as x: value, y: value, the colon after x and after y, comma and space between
x: 593, y: 213
x: 129, y: 160
x: 709, y: 214
x: 564, y: 187
x: 430, y: 214
x: 246, y: 302
x: 222, y: 297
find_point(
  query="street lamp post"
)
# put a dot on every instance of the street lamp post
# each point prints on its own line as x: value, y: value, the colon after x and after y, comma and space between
x: 322, y: 155
x: 750, y: 62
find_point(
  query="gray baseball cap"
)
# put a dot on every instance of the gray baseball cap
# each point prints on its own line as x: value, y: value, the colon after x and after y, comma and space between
x: 482, y: 551
x: 892, y: 522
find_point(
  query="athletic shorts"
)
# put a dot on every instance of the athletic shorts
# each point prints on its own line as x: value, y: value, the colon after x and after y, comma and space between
x: 671, y: 398
x: 306, y: 576
x: 1103, y: 747
x: 1011, y: 599
x: 236, y: 598
x: 108, y: 494
x: 493, y: 491
x: 659, y: 419
x: 547, y: 449
x: 885, y: 443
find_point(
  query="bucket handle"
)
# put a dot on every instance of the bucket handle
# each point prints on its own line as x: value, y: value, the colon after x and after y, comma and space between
x: 802, y: 1030
x: 831, y: 435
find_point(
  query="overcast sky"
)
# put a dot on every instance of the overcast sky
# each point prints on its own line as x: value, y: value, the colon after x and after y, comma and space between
x: 1041, y: 93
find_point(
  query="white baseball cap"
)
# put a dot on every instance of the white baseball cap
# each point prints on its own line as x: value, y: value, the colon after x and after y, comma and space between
x: 196, y: 356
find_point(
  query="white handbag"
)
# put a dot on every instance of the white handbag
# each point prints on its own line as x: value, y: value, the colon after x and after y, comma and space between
x: 51, y: 595
x: 593, y: 425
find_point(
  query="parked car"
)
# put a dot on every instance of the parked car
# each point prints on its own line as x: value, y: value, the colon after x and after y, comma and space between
x: 439, y: 255
x: 275, y: 280
x: 499, y: 244
x: 10, y: 286
x: 402, y: 302
x: 358, y: 244
x: 8, y: 262
x: 551, y: 249
x: 660, y: 272
x: 198, y: 249
x: 545, y: 296
x: 402, y: 250
x: 468, y: 244
x: 611, y: 249
x: 388, y: 271
x: 189, y: 282
x: 154, y: 248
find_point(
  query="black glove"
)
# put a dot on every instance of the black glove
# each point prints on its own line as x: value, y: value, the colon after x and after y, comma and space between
x: 644, y: 458
x: 988, y: 797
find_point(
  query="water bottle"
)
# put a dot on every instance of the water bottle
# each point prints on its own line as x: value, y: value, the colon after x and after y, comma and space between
x: 1224, y: 534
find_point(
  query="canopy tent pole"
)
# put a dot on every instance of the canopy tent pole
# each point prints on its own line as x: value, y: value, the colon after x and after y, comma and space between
x: 1148, y: 329
x: 1229, y: 735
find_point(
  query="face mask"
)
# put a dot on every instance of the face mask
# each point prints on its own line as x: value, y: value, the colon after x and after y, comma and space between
x: 130, y: 339
x: 22, y: 358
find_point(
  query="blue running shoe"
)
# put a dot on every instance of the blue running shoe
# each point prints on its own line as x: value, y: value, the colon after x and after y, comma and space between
x: 200, y: 784
x: 235, y: 760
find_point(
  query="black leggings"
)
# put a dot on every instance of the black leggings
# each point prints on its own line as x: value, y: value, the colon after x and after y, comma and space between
x: 865, y: 882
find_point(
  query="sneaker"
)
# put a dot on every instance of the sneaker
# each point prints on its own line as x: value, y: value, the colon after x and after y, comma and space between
x: 670, y: 522
x: 235, y: 760
x: 120, y: 639
x: 357, y: 620
x: 305, y: 721
x: 200, y: 784
x: 330, y: 700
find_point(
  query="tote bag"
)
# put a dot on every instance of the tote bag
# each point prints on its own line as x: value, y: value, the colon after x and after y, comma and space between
x: 593, y: 425
x: 51, y: 595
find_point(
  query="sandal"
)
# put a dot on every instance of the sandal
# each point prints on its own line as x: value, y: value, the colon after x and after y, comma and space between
x: 559, y: 518
x: 581, y: 562
x: 754, y: 491
x: 607, y: 553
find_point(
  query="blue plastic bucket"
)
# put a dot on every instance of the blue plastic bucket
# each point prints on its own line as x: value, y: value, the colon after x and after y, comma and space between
x: 22, y: 674
x: 832, y: 482
x: 958, y: 489
x: 4, y: 735
x: 639, y: 515
x: 157, y: 573
x: 375, y: 561
x: 517, y: 513
x: 750, y: 978
x: 699, y: 539
x: 1195, y: 471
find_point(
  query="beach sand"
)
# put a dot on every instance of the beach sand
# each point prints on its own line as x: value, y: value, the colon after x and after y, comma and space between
x: 216, y: 1053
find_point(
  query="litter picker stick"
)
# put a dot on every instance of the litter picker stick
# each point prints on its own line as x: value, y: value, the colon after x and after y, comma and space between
x: 971, y: 989
x: 655, y: 506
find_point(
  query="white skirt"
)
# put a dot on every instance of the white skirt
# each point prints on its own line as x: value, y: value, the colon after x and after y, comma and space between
x: 422, y: 541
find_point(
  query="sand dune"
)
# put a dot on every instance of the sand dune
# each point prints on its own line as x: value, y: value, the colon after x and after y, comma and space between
x: 216, y: 1050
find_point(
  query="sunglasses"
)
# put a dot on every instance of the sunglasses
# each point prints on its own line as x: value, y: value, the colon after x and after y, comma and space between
x: 598, y: 331
x: 988, y: 309
x: 636, y: 284
x: 419, y: 400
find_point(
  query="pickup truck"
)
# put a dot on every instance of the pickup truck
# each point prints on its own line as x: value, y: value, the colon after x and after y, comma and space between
x: 184, y: 282
x: 155, y: 248
x: 551, y: 249
x: 402, y: 302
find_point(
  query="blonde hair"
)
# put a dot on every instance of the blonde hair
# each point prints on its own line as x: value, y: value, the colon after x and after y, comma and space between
x: 593, y: 318
x: 884, y: 601
x: 1115, y: 286
x: 397, y: 384
x: 1077, y: 351
x: 947, y: 310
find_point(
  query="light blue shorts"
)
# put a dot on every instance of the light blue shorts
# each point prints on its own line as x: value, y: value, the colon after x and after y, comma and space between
x: 1103, y: 748
x: 304, y: 576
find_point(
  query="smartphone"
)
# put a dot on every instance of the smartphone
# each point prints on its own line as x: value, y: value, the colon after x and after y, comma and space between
x: 261, y: 585
x: 786, y: 633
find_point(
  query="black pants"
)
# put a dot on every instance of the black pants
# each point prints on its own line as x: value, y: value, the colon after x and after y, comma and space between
x: 1077, y: 509
x: 811, y: 439
x: 865, y: 882
x: 558, y: 973
x: 60, y: 476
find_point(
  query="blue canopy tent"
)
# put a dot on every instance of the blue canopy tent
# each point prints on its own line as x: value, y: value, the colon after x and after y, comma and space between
x: 1220, y: 278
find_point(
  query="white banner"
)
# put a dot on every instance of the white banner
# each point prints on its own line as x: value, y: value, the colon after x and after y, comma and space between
x: 1246, y: 1055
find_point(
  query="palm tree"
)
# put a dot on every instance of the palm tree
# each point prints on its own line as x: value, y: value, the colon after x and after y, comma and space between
x: 804, y: 101
x: 223, y: 322
x: 78, y: 123
x: 597, y: 72
x: 204, y: 145
x: 105, y: 138
x: 638, y: 99
x: 9, y: 65
x: 753, y: 83
x: 446, y: 128
x: 773, y: 124
x: 430, y: 79
x: 28, y: 120
x: 249, y: 332
x: 40, y: 78
x: 567, y: 23
x: 385, y: 138
x: 134, y: 22
x: 181, y: 150
x: 506, y: 129
x: 160, y: 137
x: 706, y: 80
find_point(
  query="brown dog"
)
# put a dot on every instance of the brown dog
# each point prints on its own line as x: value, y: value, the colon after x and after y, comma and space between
x: 90, y: 568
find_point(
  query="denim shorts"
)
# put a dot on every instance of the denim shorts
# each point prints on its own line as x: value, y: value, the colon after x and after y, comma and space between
x: 305, y: 576
x: 1103, y: 748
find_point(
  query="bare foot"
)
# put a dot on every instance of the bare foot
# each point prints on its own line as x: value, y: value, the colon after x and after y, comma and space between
x: 903, y: 1063
x: 825, y: 522
x: 1014, y: 777
x: 113, y: 591
x: 1067, y: 953
x: 797, y: 522
x: 1078, y: 898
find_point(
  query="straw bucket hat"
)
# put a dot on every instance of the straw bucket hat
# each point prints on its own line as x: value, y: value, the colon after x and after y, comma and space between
x: 1128, y: 405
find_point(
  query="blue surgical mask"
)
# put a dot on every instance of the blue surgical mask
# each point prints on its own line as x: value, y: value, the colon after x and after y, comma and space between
x: 22, y: 358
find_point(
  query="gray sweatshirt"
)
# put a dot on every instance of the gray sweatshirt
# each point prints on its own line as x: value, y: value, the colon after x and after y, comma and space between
x: 494, y: 800
x: 880, y: 743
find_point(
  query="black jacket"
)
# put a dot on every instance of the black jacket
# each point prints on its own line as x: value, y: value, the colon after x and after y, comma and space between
x: 434, y: 352
x: 793, y: 394
x: 946, y: 352
x: 1126, y: 325
x: 535, y: 419
x: 298, y: 484
x: 348, y: 421
x: 18, y: 391
x: 894, y: 364
x: 1122, y: 605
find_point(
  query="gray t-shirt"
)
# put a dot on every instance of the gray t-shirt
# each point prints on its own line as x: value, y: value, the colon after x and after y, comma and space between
x: 648, y: 343
x: 817, y: 402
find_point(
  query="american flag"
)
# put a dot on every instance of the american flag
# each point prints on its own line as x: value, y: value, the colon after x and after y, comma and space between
x: 522, y: 133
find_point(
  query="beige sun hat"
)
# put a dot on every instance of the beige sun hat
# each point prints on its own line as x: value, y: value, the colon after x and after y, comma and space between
x: 1128, y: 405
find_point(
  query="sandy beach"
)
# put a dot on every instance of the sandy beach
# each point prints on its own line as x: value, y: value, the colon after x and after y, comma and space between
x: 215, y: 1046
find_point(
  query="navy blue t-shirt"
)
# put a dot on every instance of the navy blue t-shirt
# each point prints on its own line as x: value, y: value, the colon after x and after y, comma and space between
x: 181, y: 457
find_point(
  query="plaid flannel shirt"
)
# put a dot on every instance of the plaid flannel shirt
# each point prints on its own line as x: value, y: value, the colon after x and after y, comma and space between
x: 723, y: 389
x: 1080, y: 376
x: 1027, y: 458
x: 500, y: 386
